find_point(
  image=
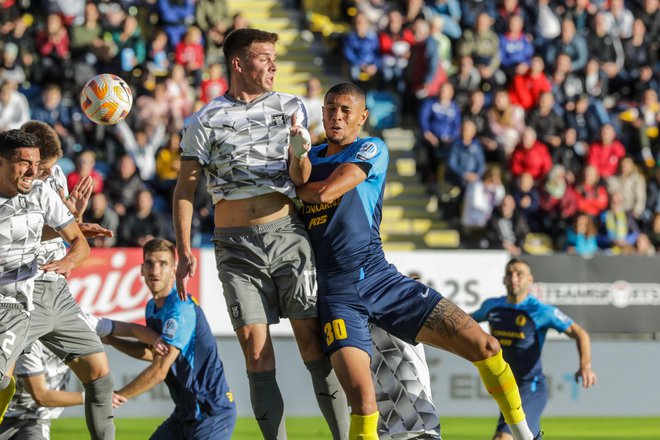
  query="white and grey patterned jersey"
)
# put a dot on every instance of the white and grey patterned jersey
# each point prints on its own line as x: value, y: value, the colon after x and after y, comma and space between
x: 403, y: 389
x: 39, y: 360
x: 22, y: 218
x: 54, y: 249
x: 244, y: 147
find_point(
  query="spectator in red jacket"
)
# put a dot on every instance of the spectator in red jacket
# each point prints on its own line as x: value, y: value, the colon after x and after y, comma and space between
x: 528, y: 84
x: 213, y: 84
x: 557, y: 203
x: 606, y: 154
x: 85, y: 163
x: 531, y: 156
x: 189, y: 52
x: 592, y: 197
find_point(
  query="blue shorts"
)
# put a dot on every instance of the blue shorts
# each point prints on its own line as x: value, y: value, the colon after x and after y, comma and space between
x: 534, y: 395
x: 397, y: 304
x: 218, y: 427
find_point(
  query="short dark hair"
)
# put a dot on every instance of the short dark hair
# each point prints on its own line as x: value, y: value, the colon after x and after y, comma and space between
x: 517, y: 261
x: 158, y: 245
x: 11, y: 140
x: 240, y: 40
x: 49, y: 142
x: 347, y: 88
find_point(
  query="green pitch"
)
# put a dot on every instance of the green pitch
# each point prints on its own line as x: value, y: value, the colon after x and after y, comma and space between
x: 579, y: 428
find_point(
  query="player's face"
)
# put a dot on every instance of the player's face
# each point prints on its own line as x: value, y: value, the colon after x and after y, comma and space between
x: 18, y: 172
x: 46, y: 168
x: 158, y: 271
x: 343, y: 116
x: 258, y: 67
x: 518, y: 279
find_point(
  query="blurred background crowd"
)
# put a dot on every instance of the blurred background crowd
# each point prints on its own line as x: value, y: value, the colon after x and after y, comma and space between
x: 530, y: 117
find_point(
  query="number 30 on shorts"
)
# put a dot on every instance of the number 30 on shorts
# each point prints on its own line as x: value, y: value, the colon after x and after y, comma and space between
x: 334, y: 330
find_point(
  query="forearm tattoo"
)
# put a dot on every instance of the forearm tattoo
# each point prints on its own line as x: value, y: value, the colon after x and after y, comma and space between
x: 448, y: 320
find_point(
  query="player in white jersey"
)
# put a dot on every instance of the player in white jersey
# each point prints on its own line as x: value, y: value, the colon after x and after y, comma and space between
x: 43, y: 382
x: 25, y: 206
x: 57, y: 320
x: 253, y: 152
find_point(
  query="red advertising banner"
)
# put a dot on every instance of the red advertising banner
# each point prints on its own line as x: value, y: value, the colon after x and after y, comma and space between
x: 109, y: 284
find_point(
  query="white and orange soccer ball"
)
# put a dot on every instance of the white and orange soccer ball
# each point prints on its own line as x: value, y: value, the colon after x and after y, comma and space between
x: 106, y: 99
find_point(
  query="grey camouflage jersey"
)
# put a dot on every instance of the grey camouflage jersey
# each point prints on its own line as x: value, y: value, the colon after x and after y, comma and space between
x: 54, y: 249
x: 38, y: 361
x: 244, y: 147
x: 22, y: 218
x: 403, y: 389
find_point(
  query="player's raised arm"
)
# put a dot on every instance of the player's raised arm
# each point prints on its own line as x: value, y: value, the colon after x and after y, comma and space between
x: 300, y: 168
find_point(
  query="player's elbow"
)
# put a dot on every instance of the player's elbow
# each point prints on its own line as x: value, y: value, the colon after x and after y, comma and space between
x: 40, y: 398
x: 326, y: 197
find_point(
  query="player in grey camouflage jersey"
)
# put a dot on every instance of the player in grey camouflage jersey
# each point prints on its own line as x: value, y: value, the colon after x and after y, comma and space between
x: 41, y: 395
x: 57, y: 320
x: 403, y: 389
x: 251, y: 144
x: 26, y: 205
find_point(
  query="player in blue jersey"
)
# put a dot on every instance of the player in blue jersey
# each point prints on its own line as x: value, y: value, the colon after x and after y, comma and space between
x: 192, y: 370
x: 520, y: 322
x: 357, y: 286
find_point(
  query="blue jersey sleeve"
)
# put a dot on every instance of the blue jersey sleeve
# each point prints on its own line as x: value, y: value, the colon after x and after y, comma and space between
x: 552, y: 317
x: 482, y: 314
x: 179, y: 324
x: 372, y: 153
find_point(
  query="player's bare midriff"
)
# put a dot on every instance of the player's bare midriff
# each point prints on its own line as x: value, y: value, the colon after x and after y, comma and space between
x: 252, y: 211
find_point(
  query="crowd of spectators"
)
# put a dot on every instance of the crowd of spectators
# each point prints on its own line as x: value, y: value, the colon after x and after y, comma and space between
x: 538, y: 121
x: 535, y: 117
x: 169, y: 51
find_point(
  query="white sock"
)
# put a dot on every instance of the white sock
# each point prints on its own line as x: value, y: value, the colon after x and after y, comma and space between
x: 520, y: 431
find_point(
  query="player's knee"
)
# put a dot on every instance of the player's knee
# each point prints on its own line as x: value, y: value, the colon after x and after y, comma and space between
x: 259, y: 360
x: 486, y: 347
x: 100, y: 390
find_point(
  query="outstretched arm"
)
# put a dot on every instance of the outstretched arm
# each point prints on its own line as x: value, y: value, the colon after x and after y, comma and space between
x: 150, y: 377
x: 583, y: 342
x: 79, y: 251
x: 135, y: 349
x: 346, y: 177
x: 44, y: 396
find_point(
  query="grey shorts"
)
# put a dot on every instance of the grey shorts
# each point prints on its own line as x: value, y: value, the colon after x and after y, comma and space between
x: 59, y: 322
x: 24, y: 429
x: 14, y: 325
x: 267, y: 272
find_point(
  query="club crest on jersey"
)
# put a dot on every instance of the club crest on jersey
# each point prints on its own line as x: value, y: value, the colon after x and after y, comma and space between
x: 169, y: 329
x: 279, y: 120
x: 22, y: 202
x: 367, y: 151
x: 236, y: 311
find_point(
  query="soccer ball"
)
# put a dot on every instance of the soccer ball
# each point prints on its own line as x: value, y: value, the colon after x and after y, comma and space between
x: 106, y: 99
